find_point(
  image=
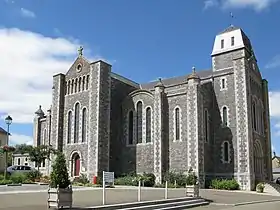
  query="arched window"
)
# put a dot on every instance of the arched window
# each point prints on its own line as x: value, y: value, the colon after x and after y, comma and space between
x: 87, y: 82
x: 79, y: 84
x: 206, y: 125
x: 76, y: 125
x: 72, y: 86
x: 139, y: 108
x: 84, y: 82
x: 130, y: 127
x: 254, y: 117
x: 45, y: 137
x: 69, y: 126
x: 69, y: 86
x: 177, y: 124
x: 148, y: 125
x: 84, y: 124
x: 76, y: 85
x: 226, y: 152
x: 225, y: 116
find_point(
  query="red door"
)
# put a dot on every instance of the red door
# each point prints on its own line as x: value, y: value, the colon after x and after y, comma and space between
x: 77, y: 167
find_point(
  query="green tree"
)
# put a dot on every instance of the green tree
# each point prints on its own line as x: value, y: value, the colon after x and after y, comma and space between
x: 22, y: 148
x: 59, y: 174
x: 40, y: 153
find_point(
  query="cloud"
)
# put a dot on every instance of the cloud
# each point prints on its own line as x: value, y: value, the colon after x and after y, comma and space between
x: 273, y: 63
x: 27, y: 13
x: 20, y: 139
x: 274, y: 101
x: 210, y: 3
x: 28, y: 62
x: 257, y: 5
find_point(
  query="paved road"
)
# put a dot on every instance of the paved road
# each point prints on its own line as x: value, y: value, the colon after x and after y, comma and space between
x: 260, y: 206
x: 83, y: 197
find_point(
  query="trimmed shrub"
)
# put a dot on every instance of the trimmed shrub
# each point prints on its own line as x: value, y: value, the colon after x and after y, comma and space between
x: 149, y: 179
x: 18, y: 178
x: 33, y: 175
x: 59, y: 174
x: 178, y: 177
x: 224, y: 184
x: 127, y: 180
x: 82, y: 179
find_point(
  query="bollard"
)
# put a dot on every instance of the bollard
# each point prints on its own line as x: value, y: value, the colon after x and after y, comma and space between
x: 139, y: 191
x: 103, y: 191
x: 175, y: 184
x: 165, y: 196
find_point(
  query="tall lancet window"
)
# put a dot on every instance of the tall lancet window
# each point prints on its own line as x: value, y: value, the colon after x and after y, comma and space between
x: 69, y: 127
x: 130, y: 127
x: 148, y: 125
x: 254, y: 117
x: 84, y: 124
x: 77, y: 120
x: 45, y: 137
x: 225, y: 116
x: 139, y: 108
x: 177, y: 124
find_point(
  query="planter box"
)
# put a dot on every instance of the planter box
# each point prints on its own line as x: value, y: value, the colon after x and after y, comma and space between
x: 192, y: 191
x: 60, y: 198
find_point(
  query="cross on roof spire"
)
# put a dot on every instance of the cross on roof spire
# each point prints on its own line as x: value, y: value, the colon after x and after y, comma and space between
x: 231, y: 15
x: 80, y: 51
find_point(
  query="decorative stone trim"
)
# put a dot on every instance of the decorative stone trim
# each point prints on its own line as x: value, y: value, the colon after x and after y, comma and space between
x: 223, y: 152
x: 174, y: 124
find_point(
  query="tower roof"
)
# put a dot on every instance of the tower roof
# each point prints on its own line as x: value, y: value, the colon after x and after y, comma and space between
x: 230, y: 39
x: 40, y: 111
x: 229, y: 29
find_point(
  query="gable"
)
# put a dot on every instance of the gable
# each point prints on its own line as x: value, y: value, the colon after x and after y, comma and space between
x: 80, y: 67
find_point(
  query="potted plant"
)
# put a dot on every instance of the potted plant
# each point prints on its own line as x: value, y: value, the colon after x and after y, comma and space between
x: 260, y: 187
x: 60, y: 192
x: 192, y: 187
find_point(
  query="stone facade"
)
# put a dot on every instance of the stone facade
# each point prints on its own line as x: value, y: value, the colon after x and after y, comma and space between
x: 215, y: 121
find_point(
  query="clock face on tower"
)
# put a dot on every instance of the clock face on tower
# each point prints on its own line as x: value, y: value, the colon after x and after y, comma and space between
x: 79, y: 67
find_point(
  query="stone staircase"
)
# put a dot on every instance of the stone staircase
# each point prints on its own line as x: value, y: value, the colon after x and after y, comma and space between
x: 175, y: 203
x: 272, y: 188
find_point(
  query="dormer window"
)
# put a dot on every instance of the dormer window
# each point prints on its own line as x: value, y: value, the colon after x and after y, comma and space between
x: 222, y: 43
x: 232, y: 41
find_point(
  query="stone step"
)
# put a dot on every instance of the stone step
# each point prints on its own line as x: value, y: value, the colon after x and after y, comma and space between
x: 176, y: 203
x: 272, y: 188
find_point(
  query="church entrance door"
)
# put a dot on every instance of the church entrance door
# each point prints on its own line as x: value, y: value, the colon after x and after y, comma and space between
x: 76, y: 163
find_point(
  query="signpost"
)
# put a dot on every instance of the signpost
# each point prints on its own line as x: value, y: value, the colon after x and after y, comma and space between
x: 108, y: 180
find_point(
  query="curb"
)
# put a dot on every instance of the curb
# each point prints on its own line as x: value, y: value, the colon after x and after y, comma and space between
x: 245, y: 203
x: 256, y: 202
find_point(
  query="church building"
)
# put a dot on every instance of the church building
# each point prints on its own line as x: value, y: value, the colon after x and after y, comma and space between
x: 214, y: 121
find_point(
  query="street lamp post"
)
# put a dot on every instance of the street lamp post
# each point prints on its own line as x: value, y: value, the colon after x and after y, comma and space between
x: 8, y: 121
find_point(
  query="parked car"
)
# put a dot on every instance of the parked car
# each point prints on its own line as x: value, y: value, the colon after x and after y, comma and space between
x: 277, y: 180
x: 19, y: 169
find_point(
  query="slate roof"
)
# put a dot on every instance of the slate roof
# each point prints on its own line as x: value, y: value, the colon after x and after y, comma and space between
x: 204, y: 74
x: 3, y: 131
x: 229, y: 29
